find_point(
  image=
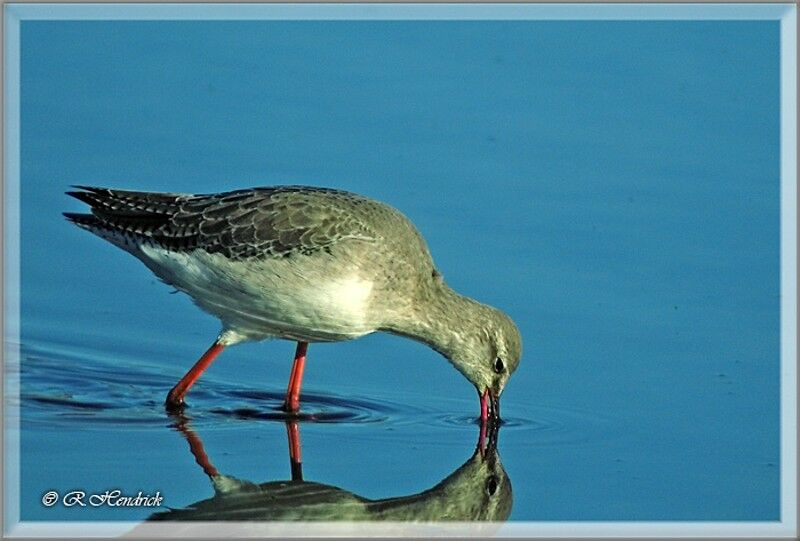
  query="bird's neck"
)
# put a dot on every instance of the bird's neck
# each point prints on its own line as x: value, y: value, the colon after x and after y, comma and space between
x: 440, y: 318
x: 459, y: 496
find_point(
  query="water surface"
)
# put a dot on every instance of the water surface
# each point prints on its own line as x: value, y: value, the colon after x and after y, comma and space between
x: 613, y: 186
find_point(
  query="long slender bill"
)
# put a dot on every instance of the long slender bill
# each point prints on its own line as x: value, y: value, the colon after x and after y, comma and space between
x: 490, y: 407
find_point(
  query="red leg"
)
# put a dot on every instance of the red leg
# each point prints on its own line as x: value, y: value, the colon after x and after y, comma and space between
x: 198, y: 451
x: 290, y: 387
x: 295, y: 458
x: 176, y: 395
x: 292, y: 402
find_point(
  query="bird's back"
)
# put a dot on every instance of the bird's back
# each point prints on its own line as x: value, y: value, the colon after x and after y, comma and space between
x: 348, y: 253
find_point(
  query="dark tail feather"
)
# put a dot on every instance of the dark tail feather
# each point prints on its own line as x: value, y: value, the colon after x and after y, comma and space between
x: 134, y: 216
x: 128, y: 203
x: 82, y: 220
x: 90, y: 198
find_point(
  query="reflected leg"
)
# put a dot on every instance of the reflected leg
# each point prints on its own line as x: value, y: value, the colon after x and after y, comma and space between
x: 195, y: 444
x: 295, y: 458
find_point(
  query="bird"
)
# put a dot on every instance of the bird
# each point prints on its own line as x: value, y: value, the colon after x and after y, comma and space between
x: 306, y: 264
x: 478, y: 490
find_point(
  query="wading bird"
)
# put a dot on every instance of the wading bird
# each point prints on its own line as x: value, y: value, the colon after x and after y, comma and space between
x: 304, y: 264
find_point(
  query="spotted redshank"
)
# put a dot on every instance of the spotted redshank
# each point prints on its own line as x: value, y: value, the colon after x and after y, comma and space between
x: 304, y: 264
x: 479, y: 490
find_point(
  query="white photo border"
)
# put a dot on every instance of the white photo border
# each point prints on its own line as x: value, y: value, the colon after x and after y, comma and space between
x: 786, y: 13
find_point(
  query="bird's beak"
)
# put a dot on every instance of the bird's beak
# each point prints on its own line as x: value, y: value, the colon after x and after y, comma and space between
x: 487, y: 441
x: 490, y: 406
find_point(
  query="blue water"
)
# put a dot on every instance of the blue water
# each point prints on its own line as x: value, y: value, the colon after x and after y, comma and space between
x: 613, y: 186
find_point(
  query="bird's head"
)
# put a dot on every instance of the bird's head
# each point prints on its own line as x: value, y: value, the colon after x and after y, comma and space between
x: 487, y: 354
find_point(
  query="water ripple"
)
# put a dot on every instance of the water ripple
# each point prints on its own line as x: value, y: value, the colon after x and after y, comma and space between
x: 546, y: 425
x: 65, y: 387
x: 316, y: 407
x: 61, y: 387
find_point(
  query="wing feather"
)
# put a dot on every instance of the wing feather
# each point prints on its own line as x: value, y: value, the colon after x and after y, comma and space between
x: 260, y: 222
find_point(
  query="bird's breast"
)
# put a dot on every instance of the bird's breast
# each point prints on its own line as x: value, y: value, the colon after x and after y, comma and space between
x: 310, y: 298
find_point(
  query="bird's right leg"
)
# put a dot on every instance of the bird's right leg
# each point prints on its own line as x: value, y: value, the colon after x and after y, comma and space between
x: 176, y: 395
x: 292, y: 402
x: 295, y: 458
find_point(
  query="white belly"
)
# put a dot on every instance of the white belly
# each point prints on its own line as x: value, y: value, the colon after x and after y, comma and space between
x: 310, y: 298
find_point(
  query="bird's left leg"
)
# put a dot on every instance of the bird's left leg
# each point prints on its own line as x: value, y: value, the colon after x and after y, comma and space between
x: 176, y: 395
x: 292, y: 402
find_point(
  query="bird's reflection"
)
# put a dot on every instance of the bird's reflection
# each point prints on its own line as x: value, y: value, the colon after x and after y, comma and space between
x: 479, y: 490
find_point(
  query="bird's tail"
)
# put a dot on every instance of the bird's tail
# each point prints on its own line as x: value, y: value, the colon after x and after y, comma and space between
x: 125, y: 218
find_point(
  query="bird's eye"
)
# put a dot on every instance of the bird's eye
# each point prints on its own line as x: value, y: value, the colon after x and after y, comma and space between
x: 491, y: 485
x: 499, y: 366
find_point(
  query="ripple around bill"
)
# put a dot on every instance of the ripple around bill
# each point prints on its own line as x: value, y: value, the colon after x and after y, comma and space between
x: 61, y: 387
x: 546, y: 425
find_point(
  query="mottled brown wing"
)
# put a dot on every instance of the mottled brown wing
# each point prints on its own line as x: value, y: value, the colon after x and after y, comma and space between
x: 258, y: 222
